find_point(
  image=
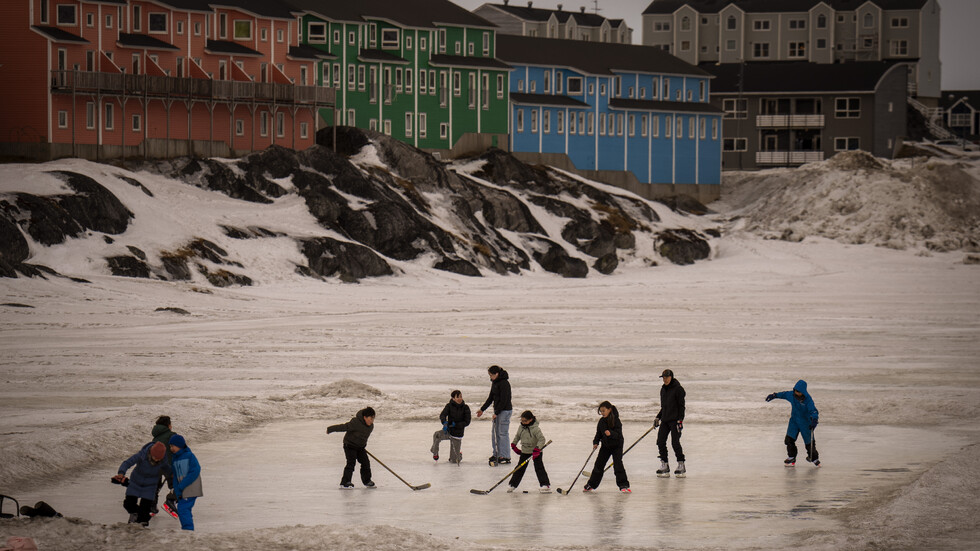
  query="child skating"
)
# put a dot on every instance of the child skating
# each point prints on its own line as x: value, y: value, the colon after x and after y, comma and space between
x: 608, y: 432
x: 187, y: 480
x: 454, y: 418
x: 357, y: 430
x: 802, y: 420
x: 531, y: 441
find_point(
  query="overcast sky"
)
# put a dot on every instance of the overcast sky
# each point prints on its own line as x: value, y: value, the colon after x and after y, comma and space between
x: 959, y: 42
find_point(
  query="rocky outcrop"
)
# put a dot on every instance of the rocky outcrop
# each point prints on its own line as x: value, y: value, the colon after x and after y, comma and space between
x: 682, y: 246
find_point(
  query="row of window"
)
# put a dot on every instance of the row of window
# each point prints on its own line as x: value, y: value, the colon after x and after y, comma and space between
x: 742, y: 144
x: 316, y: 33
x: 109, y: 122
x: 731, y: 23
x: 361, y: 78
x: 574, y: 88
x: 615, y: 124
x: 896, y: 48
x: 844, y: 108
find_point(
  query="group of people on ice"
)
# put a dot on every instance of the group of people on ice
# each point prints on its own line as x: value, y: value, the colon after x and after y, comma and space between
x: 529, y: 442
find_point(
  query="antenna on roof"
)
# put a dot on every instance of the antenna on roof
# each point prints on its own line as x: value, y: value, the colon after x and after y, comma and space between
x: 596, y: 9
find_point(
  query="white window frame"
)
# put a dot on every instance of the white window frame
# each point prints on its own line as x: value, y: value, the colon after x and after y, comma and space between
x: 63, y: 119
x: 280, y: 124
x: 423, y: 125
x: 408, y: 124
x: 235, y: 29
x: 239, y: 127
x: 149, y: 24
x: 797, y: 49
x: 762, y: 25
x: 316, y: 38
x: 843, y: 143
x: 64, y: 21
x: 304, y: 130
x: 264, y: 123
x: 736, y: 145
x: 110, y: 112
x: 137, y: 122
x: 443, y: 130
x: 390, y: 39
x: 849, y: 110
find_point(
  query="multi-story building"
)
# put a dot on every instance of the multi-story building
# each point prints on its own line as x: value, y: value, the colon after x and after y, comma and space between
x: 110, y: 78
x: 422, y: 71
x: 557, y: 23
x: 790, y: 113
x: 818, y: 31
x: 633, y: 116
x: 961, y: 112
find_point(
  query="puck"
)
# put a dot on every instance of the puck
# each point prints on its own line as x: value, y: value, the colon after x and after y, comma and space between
x: 525, y: 491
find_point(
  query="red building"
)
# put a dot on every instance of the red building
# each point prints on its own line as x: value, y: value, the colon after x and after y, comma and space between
x: 154, y: 78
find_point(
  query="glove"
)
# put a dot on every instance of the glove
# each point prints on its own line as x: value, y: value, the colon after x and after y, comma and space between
x: 515, y: 448
x: 680, y: 426
x: 813, y: 424
x: 445, y: 427
x: 771, y: 397
x: 656, y: 422
x: 329, y: 430
x: 536, y: 453
x: 120, y: 479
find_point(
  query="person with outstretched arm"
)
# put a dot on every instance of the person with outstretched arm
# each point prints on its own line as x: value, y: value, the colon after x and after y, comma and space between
x: 502, y: 410
x: 357, y: 430
x: 803, y: 420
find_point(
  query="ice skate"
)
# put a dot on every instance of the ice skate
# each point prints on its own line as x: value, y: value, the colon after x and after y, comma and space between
x: 347, y: 486
x: 664, y: 470
x: 626, y: 490
x: 790, y: 461
x: 545, y: 489
x: 681, y: 471
x: 510, y: 489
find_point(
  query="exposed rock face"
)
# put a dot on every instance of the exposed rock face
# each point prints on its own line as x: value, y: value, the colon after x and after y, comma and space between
x: 682, y: 246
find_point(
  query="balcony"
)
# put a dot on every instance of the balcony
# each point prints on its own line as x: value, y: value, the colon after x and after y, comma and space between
x: 122, y: 84
x: 787, y: 157
x: 789, y: 121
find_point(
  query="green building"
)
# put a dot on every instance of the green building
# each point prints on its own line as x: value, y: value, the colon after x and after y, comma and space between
x: 421, y: 71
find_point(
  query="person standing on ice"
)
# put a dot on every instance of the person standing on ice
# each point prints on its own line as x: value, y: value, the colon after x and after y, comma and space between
x: 141, y: 488
x: 802, y: 420
x: 358, y: 431
x: 454, y: 417
x: 608, y: 432
x: 502, y: 410
x: 531, y: 441
x: 670, y: 419
x: 187, y: 480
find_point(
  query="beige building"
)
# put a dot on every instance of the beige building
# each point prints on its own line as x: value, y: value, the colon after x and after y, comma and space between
x: 555, y: 23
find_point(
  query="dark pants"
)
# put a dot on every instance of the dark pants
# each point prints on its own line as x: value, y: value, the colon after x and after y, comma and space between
x: 600, y: 464
x: 669, y: 427
x: 142, y: 509
x: 811, y: 449
x: 360, y: 455
x: 543, y: 480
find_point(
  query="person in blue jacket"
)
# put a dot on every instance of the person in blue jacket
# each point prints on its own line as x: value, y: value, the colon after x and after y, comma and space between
x: 802, y: 420
x: 141, y: 488
x: 187, y: 480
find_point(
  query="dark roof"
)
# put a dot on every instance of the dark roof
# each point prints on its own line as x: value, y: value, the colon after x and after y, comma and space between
x: 541, y: 15
x: 776, y: 6
x: 269, y: 8
x: 407, y: 13
x: 373, y: 54
x: 230, y: 48
x: 547, y: 99
x: 442, y: 60
x: 143, y: 41
x: 58, y: 35
x: 189, y: 5
x: 972, y: 97
x: 305, y: 51
x: 798, y: 76
x: 672, y: 106
x: 594, y: 58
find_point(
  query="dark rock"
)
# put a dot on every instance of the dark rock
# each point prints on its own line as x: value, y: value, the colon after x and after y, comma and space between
x: 236, y: 233
x: 135, y: 183
x: 128, y: 266
x: 13, y: 247
x: 458, y: 266
x: 176, y: 267
x: 350, y: 140
x: 682, y: 246
x: 218, y: 176
x: 606, y: 264
x: 224, y: 278
x: 16, y: 305
x: 137, y: 252
x: 713, y: 232
x: 556, y: 260
x: 685, y: 203
x: 92, y: 205
x: 349, y: 261
x: 503, y: 168
x: 108, y: 240
x: 173, y: 309
x: 208, y: 250
x: 45, y: 220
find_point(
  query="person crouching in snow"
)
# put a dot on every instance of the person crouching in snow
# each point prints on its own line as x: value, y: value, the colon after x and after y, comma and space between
x: 531, y: 438
x: 609, y: 432
x: 187, y: 480
x: 358, y: 431
x: 802, y: 420
x: 148, y: 467
x: 454, y: 417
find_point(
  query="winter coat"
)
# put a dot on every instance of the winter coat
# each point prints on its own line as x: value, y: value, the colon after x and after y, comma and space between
x: 672, y: 401
x: 357, y: 431
x: 804, y: 411
x: 187, y: 474
x: 615, y: 428
x: 146, y: 475
x: 529, y: 436
x: 457, y: 416
x: 162, y: 433
x: 499, y: 394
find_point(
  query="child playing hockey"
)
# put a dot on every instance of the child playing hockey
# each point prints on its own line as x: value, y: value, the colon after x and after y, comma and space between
x: 141, y: 488
x: 609, y: 432
x: 454, y: 417
x: 802, y: 420
x: 531, y: 438
x: 358, y: 430
x: 187, y: 480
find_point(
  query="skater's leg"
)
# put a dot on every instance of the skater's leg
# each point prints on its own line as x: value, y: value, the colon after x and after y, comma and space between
x: 675, y: 441
x: 619, y: 469
x: 811, y: 445
x: 503, y: 433
x: 494, y: 440
x: 539, y: 470
x: 515, y: 479
x: 131, y: 504
x: 143, y: 512
x: 455, y: 450
x: 790, y: 446
x: 184, y: 512
x: 437, y: 439
x: 365, y: 461
x: 600, y: 465
x: 351, y: 455
x: 662, y: 440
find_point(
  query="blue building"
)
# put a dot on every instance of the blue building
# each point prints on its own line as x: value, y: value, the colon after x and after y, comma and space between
x: 633, y: 116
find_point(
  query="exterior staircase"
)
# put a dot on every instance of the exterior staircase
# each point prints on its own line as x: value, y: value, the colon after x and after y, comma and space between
x: 933, y: 117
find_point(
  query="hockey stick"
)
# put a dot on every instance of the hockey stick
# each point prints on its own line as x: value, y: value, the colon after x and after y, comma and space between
x: 565, y: 492
x: 419, y: 487
x: 485, y: 492
x: 586, y: 473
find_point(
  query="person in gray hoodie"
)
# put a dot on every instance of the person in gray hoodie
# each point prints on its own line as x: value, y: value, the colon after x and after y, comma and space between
x: 531, y: 441
x: 358, y: 431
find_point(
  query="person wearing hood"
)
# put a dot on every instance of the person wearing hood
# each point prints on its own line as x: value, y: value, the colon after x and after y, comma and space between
x: 187, y: 480
x: 161, y: 432
x: 609, y: 433
x: 803, y: 420
x: 502, y: 411
x: 531, y: 440
x: 357, y: 430
x: 670, y: 419
x: 454, y: 418
x: 141, y: 488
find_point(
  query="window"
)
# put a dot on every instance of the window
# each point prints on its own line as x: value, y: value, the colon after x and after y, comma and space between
x: 373, y: 125
x: 442, y: 40
x: 869, y: 21
x: 408, y: 43
x: 685, y: 45
x: 690, y: 95
x: 534, y: 120
x: 959, y: 120
x: 281, y: 124
x: 714, y: 129
x: 591, y: 88
x: 847, y: 108
x: 423, y: 125
x: 457, y: 83
x: 591, y: 124
x: 264, y: 35
x: 668, y: 125
x: 336, y: 36
x: 797, y: 24
x: 847, y: 144
x: 408, y: 125
x: 735, y: 144
x: 731, y: 23
x: 90, y: 115
x: 389, y: 38
x: 197, y: 28
x: 840, y: 18
x: 316, y: 33
x: 821, y: 43
x: 520, y: 120
x: 360, y: 78
x: 666, y: 89
x: 485, y: 92
x: 656, y: 127
x: 821, y: 21
x: 352, y: 38
x: 602, y: 124
x: 137, y: 123
x: 685, y: 23
x: 469, y: 49
x: 730, y: 45
x: 422, y: 81
x: 444, y: 129
x: 899, y: 47
x: 661, y: 26
x: 243, y: 29
x: 264, y: 123
x: 602, y: 89
x: 387, y: 127
x: 62, y: 119
x: 398, y: 80
x: 304, y: 130
x: 900, y: 22
x: 735, y: 108
x: 222, y: 25
x: 458, y: 50
x: 44, y: 11
x: 690, y: 128
x: 351, y: 78
x: 500, y: 86
x: 336, y: 75
x: 612, y: 125
x: 643, y: 126
x: 67, y: 15
x: 632, y: 125
x: 471, y: 91
x: 619, y: 124
x: 239, y: 127
x: 761, y: 25
x: 547, y: 82
x: 351, y: 119
x: 701, y: 95
x: 760, y: 49
x: 702, y: 128
x: 108, y: 116
x: 486, y: 43
x: 158, y: 22
x: 797, y: 49
x: 432, y: 82
x: 561, y: 122
x: 108, y: 21
x: 180, y: 27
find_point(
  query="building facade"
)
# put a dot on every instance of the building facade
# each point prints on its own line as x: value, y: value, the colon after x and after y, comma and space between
x: 615, y: 108
x: 818, y: 31
x: 557, y: 23
x: 961, y: 113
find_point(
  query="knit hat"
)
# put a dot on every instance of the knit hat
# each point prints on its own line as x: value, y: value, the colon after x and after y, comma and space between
x: 178, y: 440
x: 158, y: 451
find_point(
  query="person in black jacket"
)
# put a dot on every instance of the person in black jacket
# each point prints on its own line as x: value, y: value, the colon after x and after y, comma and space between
x: 670, y: 419
x: 454, y: 417
x: 502, y: 410
x: 609, y: 432
x: 358, y: 430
